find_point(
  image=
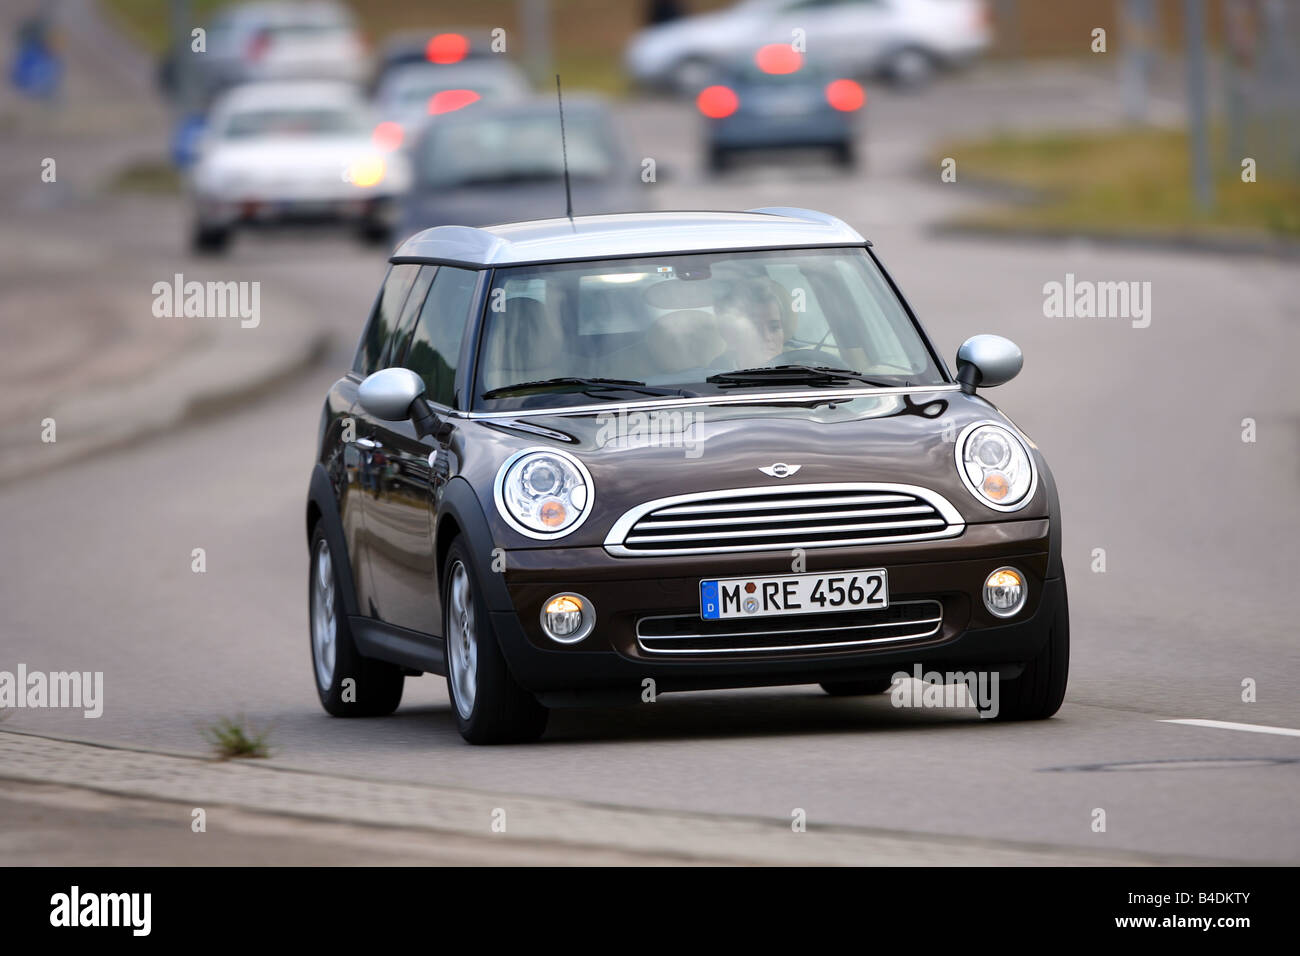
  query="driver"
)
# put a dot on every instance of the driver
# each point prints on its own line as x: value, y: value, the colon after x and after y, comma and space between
x: 749, y: 319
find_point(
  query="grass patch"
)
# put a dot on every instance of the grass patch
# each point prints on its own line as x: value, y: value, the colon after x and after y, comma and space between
x: 587, y: 36
x: 231, y: 738
x: 1128, y: 182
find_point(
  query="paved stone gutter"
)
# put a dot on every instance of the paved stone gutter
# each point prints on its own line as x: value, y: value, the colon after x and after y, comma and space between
x: 566, y: 826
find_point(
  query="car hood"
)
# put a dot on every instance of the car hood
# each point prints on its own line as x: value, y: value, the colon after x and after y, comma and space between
x: 640, y: 454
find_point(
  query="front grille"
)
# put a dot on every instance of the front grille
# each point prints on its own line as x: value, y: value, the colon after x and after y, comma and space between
x: 907, y: 621
x: 773, y: 519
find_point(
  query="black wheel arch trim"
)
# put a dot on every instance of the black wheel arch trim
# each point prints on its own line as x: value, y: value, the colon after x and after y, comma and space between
x: 320, y: 494
x: 458, y: 502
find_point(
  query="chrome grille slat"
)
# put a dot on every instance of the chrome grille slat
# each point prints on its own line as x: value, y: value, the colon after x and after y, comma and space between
x: 780, y: 517
x: 797, y: 630
x: 654, y: 522
x: 772, y: 532
x: 800, y: 503
x: 918, y: 620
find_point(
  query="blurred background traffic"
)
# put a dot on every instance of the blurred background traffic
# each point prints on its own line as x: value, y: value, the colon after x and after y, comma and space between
x: 988, y: 149
x: 388, y: 117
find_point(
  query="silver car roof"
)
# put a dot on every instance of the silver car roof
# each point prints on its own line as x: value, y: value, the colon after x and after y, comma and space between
x: 627, y: 234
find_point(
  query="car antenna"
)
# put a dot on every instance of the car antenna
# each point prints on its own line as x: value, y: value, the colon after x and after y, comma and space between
x: 564, y: 152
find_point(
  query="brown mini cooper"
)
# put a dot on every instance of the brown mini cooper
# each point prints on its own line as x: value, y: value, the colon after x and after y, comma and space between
x: 613, y: 456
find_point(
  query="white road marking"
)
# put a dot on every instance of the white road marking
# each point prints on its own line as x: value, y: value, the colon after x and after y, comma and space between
x: 1229, y: 725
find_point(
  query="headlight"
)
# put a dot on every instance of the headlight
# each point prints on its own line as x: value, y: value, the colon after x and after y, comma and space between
x: 543, y: 493
x: 996, y: 466
x: 365, y: 172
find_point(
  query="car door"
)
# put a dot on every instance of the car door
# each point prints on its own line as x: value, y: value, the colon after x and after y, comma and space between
x: 399, y: 516
x: 841, y: 35
x: 361, y: 464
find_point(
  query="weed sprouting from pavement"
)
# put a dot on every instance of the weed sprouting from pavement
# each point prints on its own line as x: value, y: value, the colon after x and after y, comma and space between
x: 232, y: 738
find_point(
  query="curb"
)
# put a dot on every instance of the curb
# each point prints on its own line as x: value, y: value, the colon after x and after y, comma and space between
x: 274, y: 787
x: 214, y: 377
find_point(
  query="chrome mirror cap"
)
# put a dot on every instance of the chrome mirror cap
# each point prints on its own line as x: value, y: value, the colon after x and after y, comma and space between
x: 987, y: 360
x: 389, y: 393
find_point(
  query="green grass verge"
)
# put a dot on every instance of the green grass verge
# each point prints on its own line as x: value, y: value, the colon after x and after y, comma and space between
x: 1130, y: 183
x: 587, y: 36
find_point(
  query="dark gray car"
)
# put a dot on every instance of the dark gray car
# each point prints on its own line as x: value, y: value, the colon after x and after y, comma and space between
x: 485, y: 165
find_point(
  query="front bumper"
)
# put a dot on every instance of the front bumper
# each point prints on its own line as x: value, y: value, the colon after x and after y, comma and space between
x: 613, y: 663
x: 307, y: 210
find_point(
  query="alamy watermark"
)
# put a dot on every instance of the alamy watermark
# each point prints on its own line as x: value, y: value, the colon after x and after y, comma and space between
x: 208, y: 300
x: 657, y: 428
x: 934, y: 689
x: 1085, y: 299
x: 82, y: 690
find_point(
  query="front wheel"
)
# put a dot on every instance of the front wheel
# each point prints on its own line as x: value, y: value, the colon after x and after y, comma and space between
x: 1039, y: 690
x: 209, y: 240
x: 490, y: 707
x: 349, y: 685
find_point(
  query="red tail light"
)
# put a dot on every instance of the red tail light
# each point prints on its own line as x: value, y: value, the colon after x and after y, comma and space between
x: 388, y: 136
x: 717, y: 102
x: 778, y: 58
x: 258, y: 44
x: 447, y: 48
x: 448, y: 101
x: 845, y: 95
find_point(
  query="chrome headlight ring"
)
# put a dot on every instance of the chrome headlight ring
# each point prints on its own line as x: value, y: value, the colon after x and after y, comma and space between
x: 1015, y: 453
x: 538, y: 485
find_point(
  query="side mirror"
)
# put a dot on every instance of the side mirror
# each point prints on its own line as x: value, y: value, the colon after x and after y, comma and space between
x: 389, y: 393
x: 987, y: 360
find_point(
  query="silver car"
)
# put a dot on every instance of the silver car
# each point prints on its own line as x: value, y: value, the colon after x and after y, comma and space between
x: 277, y: 153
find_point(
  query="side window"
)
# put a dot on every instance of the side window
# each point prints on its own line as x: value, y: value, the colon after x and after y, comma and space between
x: 383, y: 321
x: 435, y: 343
x: 401, y: 341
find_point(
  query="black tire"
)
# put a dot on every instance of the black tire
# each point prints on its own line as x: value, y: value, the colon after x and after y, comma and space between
x: 375, y: 234
x: 210, y: 240
x: 910, y: 68
x: 719, y: 159
x: 500, y: 711
x: 1039, y: 690
x: 845, y: 156
x: 857, y: 688
x: 377, y: 685
x: 691, y: 75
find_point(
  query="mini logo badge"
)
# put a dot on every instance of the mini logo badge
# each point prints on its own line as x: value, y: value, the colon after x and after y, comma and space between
x: 780, y: 470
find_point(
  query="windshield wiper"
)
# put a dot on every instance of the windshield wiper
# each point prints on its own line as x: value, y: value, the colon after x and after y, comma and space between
x: 793, y: 375
x: 588, y: 385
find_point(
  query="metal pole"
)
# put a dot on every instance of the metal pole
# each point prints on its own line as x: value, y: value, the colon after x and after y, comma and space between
x: 182, y: 22
x: 535, y: 19
x: 1138, y: 38
x: 1198, y: 105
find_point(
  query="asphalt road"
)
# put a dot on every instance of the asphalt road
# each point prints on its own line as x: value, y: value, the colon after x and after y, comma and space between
x: 1142, y: 426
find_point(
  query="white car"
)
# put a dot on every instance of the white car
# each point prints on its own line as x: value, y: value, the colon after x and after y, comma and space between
x: 276, y: 153
x: 316, y: 40
x: 900, y: 40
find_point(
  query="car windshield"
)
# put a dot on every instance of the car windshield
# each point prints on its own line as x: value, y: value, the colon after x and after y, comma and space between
x: 496, y: 149
x: 294, y: 121
x: 817, y: 319
x: 412, y: 89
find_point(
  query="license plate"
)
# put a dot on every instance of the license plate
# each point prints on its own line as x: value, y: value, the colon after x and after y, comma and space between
x: 789, y: 594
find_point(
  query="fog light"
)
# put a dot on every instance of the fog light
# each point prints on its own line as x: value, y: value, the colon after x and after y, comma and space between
x: 1004, y: 592
x: 568, y: 618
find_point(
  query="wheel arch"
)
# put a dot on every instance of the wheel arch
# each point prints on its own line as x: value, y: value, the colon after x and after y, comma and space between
x: 322, y: 509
